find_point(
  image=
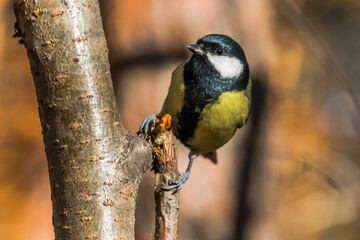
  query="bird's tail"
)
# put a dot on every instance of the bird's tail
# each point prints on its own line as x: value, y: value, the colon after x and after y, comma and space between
x: 211, y: 155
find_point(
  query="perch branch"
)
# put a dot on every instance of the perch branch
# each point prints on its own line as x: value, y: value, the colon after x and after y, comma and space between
x: 166, y: 171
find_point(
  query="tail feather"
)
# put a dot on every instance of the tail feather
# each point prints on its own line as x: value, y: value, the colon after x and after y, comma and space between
x: 211, y: 155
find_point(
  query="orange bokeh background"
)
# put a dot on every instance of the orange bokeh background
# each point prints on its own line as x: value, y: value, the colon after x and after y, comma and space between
x: 292, y: 173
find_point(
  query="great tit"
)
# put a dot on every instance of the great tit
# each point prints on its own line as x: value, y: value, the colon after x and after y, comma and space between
x: 209, y: 98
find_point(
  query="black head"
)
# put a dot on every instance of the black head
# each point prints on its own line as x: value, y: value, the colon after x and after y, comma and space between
x: 221, y: 55
x: 218, y: 57
x: 217, y: 45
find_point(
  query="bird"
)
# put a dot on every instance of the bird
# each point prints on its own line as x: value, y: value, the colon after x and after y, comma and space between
x: 209, y: 98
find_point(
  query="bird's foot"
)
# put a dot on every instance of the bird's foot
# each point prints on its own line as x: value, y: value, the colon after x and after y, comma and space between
x: 177, y: 186
x: 148, y: 125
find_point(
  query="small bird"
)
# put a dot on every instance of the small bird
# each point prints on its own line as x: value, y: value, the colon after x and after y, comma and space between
x: 209, y: 98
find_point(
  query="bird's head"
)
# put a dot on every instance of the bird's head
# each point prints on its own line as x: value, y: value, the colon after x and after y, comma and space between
x: 221, y: 53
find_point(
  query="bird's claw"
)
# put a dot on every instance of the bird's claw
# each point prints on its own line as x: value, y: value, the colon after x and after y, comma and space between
x: 148, y: 124
x: 177, y: 186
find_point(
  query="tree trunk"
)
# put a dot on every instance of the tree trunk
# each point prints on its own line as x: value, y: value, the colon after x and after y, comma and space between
x: 95, y: 165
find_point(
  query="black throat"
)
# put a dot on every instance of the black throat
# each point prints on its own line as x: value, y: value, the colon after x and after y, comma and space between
x: 203, y: 85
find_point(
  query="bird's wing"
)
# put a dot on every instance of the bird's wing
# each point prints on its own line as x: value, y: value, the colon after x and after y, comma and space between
x: 248, y: 95
x: 175, y: 98
x: 248, y: 90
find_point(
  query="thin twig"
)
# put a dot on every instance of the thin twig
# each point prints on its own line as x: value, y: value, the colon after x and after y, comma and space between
x: 167, y: 202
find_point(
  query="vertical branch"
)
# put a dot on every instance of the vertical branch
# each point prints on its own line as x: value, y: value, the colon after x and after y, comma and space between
x: 166, y: 171
x: 94, y: 164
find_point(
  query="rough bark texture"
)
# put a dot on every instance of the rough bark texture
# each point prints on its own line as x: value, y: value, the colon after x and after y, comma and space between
x: 166, y: 202
x: 95, y: 166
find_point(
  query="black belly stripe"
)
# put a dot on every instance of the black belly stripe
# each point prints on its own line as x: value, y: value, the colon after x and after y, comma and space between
x: 188, y: 120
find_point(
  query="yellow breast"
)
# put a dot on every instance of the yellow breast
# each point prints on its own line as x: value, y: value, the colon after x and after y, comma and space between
x: 220, y: 120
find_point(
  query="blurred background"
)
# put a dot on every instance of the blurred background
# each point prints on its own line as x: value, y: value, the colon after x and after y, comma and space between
x: 293, y: 172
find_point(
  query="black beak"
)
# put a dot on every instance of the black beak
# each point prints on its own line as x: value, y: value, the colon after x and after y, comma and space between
x: 196, y: 48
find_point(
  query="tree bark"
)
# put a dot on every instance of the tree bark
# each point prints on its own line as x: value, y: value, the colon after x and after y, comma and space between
x: 95, y: 165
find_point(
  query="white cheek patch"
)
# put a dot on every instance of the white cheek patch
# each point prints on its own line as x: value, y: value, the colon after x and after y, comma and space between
x: 228, y: 67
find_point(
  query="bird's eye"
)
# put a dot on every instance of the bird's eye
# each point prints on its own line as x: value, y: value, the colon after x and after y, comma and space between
x: 219, y: 51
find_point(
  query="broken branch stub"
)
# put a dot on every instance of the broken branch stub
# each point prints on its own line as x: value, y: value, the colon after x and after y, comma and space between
x: 166, y: 171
